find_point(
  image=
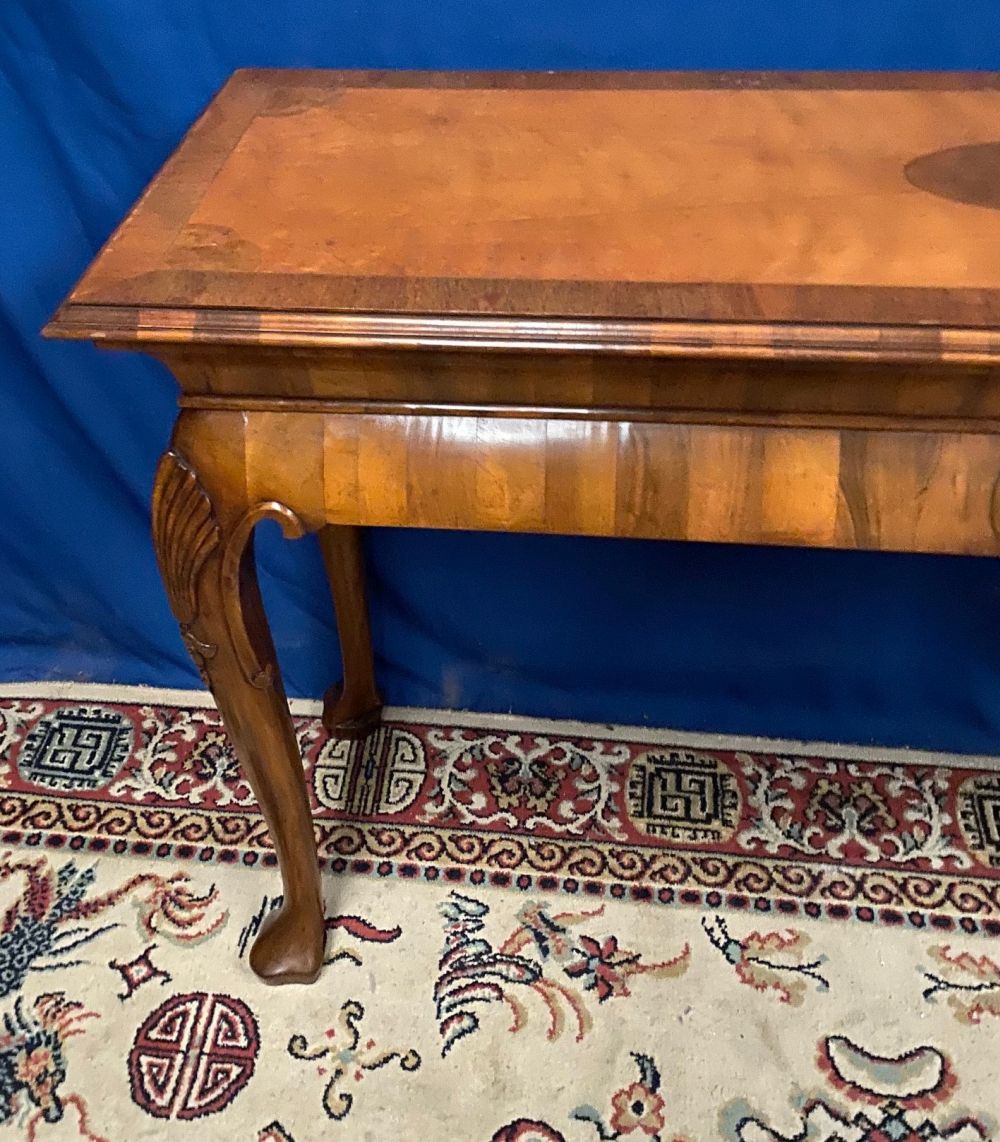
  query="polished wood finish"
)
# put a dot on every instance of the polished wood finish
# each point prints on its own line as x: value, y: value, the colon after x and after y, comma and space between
x: 353, y: 707
x: 755, y: 308
x: 203, y: 530
x: 879, y: 490
x: 766, y: 215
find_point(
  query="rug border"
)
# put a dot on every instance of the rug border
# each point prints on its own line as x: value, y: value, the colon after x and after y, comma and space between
x: 704, y: 895
x: 307, y: 707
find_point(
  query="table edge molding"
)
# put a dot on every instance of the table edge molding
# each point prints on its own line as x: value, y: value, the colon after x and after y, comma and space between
x: 134, y: 327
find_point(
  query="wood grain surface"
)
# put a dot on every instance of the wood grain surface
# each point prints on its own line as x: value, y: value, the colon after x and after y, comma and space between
x: 888, y: 490
x: 574, y: 185
x: 586, y: 384
x: 664, y: 213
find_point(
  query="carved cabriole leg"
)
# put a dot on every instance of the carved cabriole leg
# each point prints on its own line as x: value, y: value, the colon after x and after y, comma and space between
x: 352, y: 708
x: 205, y: 550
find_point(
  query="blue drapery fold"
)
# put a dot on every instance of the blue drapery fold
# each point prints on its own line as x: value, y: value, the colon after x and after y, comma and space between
x: 834, y: 645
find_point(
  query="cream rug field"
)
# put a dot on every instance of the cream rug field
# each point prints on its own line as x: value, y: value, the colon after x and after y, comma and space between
x: 538, y: 932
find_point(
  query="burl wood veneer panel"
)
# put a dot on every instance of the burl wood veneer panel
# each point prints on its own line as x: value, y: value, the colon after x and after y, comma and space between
x: 893, y: 491
x: 601, y: 385
x: 676, y: 196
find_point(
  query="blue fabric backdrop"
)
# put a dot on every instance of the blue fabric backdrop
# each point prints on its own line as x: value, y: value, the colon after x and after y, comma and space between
x: 93, y: 96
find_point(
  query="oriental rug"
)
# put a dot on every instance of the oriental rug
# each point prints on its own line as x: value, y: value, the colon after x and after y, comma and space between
x: 539, y: 932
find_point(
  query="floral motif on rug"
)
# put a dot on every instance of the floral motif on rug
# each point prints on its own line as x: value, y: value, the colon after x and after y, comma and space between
x: 550, y: 956
x: 500, y: 965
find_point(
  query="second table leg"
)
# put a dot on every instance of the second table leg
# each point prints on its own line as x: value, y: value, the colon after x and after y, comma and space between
x: 353, y: 708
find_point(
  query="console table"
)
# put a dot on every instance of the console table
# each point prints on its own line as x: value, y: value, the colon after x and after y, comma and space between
x: 759, y: 308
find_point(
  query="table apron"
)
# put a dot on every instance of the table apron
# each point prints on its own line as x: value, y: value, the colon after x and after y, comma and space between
x: 885, y: 490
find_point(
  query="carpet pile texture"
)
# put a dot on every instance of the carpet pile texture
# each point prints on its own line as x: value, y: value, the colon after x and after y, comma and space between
x: 538, y: 932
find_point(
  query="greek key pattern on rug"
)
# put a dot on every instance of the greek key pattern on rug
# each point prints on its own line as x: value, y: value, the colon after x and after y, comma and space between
x: 912, y: 845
